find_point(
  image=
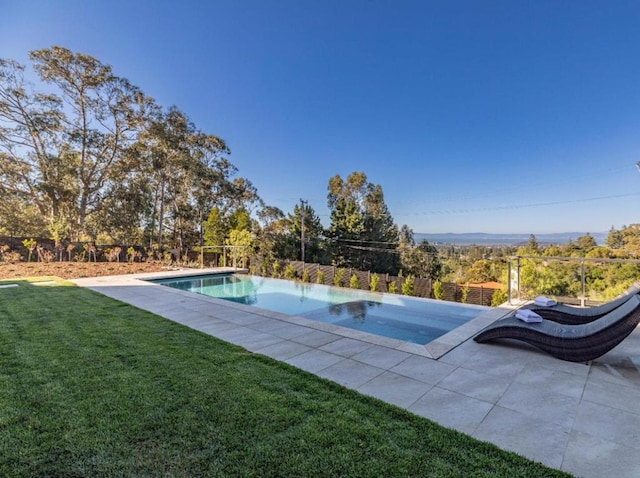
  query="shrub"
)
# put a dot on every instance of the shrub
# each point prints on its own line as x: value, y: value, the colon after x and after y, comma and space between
x: 392, y: 287
x: 338, y: 277
x: 131, y: 254
x: 30, y: 244
x: 113, y: 254
x: 289, y: 272
x: 305, y: 276
x: 409, y: 285
x: 8, y: 255
x: 70, y: 248
x: 90, y: 250
x: 499, y: 297
x: 12, y: 257
x: 438, y: 290
x: 320, y: 277
x: 166, y: 257
x: 465, y: 294
x: 354, y: 282
x: 374, y: 282
x: 45, y: 255
x: 275, y: 269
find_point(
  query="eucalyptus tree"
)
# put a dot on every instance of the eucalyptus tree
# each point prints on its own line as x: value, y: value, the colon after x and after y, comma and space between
x: 273, y: 238
x: 67, y: 149
x: 362, y: 230
x: 188, y: 175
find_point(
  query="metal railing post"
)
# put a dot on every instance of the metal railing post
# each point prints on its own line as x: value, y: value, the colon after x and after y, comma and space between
x: 582, y: 285
x: 518, y: 276
x: 509, y: 282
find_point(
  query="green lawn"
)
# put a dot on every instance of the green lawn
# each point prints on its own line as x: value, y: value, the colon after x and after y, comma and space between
x: 93, y: 387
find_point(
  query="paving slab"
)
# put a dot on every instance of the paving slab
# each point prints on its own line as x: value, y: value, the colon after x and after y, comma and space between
x: 552, y: 380
x: 625, y: 371
x: 316, y: 338
x: 609, y: 424
x: 474, y: 384
x: 350, y: 373
x: 346, y: 347
x: 423, y: 369
x: 541, y: 403
x: 536, y: 439
x: 314, y: 360
x: 284, y: 350
x: 587, y: 455
x: 451, y: 409
x: 381, y: 357
x: 613, y: 395
x: 395, y: 389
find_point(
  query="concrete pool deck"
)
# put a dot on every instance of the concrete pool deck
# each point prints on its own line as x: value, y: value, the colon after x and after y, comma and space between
x: 581, y: 418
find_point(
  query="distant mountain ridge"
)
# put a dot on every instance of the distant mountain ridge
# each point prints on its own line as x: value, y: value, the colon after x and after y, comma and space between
x: 487, y: 239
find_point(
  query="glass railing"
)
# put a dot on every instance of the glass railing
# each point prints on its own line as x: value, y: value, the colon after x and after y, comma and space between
x: 581, y: 281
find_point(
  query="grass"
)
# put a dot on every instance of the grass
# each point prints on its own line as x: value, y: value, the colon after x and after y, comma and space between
x: 90, y: 386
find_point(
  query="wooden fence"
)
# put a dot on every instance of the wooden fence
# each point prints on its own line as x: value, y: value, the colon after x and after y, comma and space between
x: 422, y: 287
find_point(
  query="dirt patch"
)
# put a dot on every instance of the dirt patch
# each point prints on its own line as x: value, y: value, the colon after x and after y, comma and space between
x: 76, y: 270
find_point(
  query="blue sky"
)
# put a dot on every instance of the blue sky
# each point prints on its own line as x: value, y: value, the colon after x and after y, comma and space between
x: 473, y: 116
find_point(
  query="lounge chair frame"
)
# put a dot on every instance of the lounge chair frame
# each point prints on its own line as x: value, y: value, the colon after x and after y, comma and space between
x: 567, y: 314
x: 573, y: 343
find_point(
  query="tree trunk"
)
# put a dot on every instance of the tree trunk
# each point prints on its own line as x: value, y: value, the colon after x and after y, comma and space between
x: 161, y: 214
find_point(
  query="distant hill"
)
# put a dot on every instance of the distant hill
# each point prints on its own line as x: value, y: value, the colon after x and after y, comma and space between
x: 484, y: 239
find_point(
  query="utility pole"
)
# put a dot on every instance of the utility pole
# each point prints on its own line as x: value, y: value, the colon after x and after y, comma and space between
x: 302, y: 216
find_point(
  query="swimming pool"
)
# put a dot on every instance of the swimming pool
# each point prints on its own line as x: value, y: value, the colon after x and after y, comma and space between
x: 405, y: 318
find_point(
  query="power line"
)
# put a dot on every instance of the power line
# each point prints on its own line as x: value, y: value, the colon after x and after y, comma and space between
x: 518, y: 206
x: 374, y: 249
x: 363, y: 241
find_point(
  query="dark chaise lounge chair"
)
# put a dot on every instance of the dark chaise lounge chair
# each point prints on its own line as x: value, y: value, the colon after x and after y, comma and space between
x: 568, y: 314
x: 574, y: 343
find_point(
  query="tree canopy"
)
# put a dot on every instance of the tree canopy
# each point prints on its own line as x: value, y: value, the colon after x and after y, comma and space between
x: 362, y: 229
x: 86, y: 153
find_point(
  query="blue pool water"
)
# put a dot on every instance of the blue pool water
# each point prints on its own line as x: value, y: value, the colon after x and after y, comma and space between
x: 400, y: 317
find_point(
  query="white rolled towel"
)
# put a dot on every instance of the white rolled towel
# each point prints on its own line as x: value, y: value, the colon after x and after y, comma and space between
x: 527, y: 315
x: 544, y: 301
